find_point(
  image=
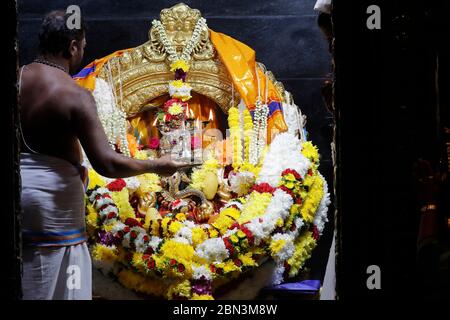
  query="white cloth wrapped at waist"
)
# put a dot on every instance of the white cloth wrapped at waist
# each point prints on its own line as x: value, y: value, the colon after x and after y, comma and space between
x: 52, y: 201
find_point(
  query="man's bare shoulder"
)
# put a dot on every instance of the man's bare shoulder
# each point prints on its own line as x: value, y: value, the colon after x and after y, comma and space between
x: 74, y: 95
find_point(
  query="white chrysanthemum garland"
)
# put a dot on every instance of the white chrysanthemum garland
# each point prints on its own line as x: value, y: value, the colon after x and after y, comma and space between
x: 113, y: 119
x: 190, y: 45
x: 175, y: 257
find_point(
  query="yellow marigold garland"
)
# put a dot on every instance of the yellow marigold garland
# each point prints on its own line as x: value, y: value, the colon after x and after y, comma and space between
x: 304, y: 245
x: 235, y: 135
x: 255, y: 207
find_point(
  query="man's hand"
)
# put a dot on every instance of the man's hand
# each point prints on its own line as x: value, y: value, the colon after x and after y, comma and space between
x: 166, y: 165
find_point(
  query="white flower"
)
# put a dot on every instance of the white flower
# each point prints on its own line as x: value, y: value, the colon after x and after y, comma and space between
x: 154, y: 242
x: 321, y: 216
x: 201, y: 272
x: 102, y: 202
x: 132, y: 183
x: 230, y: 233
x: 108, y: 209
x: 284, y: 153
x: 298, y: 222
x: 212, y: 250
x: 180, y: 92
x: 287, y: 250
x: 234, y: 203
x: 141, y: 246
x: 241, y: 182
x: 117, y: 227
x: 277, y: 276
x: 189, y: 224
x: 185, y: 233
x: 280, y: 203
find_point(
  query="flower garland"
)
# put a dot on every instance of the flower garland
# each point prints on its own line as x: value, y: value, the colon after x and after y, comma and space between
x: 248, y: 129
x: 259, y: 136
x: 178, y: 259
x: 191, y: 44
x: 235, y: 135
x: 113, y: 119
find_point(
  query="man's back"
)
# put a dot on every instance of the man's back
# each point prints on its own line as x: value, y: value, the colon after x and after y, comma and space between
x: 48, y: 96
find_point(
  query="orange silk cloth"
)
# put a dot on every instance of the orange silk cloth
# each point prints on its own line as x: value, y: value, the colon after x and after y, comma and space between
x: 240, y: 61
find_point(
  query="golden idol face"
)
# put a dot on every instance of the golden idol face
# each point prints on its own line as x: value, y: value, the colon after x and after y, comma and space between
x: 179, y: 22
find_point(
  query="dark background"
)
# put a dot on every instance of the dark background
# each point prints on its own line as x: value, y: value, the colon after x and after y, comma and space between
x: 284, y: 34
x: 392, y: 108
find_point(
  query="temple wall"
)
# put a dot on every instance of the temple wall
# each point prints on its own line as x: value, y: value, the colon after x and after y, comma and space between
x: 284, y: 34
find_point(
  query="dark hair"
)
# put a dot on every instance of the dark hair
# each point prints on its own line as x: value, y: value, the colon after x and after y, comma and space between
x: 54, y: 35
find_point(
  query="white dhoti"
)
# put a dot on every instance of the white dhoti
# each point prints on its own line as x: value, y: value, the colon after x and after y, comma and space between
x: 56, y: 260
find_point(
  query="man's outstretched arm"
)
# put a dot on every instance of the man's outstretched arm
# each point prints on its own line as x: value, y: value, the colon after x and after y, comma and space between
x: 104, y: 160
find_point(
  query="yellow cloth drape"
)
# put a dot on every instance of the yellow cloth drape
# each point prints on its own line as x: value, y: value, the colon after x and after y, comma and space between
x: 240, y: 61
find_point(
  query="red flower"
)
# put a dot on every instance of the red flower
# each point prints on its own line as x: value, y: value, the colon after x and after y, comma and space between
x: 132, y: 222
x: 298, y: 200
x: 116, y: 185
x: 294, y: 172
x: 169, y: 102
x: 181, y: 268
x: 111, y: 215
x: 149, y: 250
x: 126, y: 229
x: 287, y: 190
x: 151, y: 263
x: 154, y: 143
x: 237, y: 262
x: 167, y: 117
x: 145, y: 256
x: 262, y: 188
x: 228, y: 245
x: 315, y: 234
x: 248, y: 234
x: 212, y: 268
x: 172, y: 262
x: 145, y: 238
x: 310, y: 172
x: 133, y: 234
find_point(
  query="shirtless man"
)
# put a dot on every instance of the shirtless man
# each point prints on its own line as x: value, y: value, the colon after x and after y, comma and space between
x: 56, y: 116
x: 56, y: 113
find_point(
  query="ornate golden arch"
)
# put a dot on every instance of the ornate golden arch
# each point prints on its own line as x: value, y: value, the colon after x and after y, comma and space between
x: 142, y: 73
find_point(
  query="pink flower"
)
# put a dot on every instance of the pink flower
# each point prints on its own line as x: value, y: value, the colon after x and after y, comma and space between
x: 195, y: 142
x: 154, y: 143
